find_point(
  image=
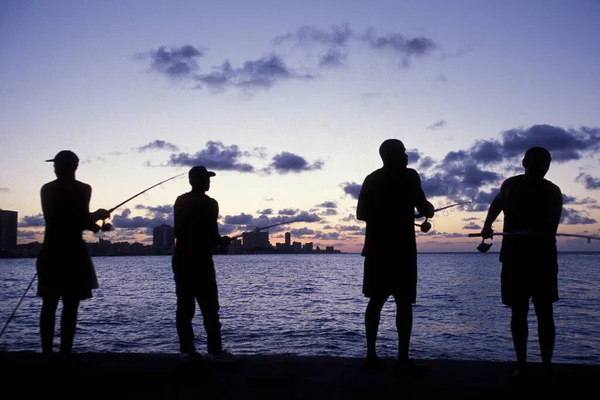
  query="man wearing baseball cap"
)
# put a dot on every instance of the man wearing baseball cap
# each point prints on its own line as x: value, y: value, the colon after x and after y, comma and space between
x: 197, y: 235
x: 64, y: 267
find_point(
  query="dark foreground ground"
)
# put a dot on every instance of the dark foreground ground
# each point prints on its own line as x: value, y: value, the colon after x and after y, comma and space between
x: 164, y: 376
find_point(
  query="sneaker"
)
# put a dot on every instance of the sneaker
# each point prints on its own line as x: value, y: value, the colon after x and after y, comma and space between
x: 373, y: 364
x: 191, y: 356
x: 225, y: 356
x: 409, y: 367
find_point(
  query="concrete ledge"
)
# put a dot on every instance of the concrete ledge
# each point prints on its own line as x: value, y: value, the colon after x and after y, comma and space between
x: 110, y: 376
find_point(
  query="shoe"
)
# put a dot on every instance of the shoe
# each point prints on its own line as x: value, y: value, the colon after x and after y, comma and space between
x: 191, y: 356
x: 409, y: 367
x: 373, y: 364
x: 519, y: 373
x: 225, y: 356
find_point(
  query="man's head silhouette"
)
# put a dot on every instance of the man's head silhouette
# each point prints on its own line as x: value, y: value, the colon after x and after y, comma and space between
x: 65, y: 163
x: 200, y: 178
x: 536, y: 162
x: 393, y: 153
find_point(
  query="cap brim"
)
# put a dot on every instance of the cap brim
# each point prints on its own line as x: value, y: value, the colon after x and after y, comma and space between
x: 210, y: 173
x: 51, y: 160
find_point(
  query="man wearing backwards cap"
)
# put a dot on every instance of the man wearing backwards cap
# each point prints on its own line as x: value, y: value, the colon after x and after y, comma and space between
x: 197, y: 234
x: 64, y: 267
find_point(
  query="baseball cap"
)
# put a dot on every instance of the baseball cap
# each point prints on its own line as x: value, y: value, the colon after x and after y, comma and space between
x: 200, y: 171
x: 66, y: 158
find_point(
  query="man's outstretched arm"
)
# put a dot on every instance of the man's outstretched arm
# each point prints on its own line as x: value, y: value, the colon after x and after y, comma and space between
x: 496, y: 207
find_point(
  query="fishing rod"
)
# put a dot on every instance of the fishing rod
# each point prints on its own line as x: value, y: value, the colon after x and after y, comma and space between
x: 106, y: 226
x: 266, y: 227
x: 484, y: 247
x: 426, y: 225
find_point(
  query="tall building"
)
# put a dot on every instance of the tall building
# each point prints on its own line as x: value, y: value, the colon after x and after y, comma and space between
x: 288, y: 239
x: 163, y: 236
x: 256, y: 240
x: 8, y: 229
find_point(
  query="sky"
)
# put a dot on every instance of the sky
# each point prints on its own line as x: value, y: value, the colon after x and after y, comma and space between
x: 288, y: 102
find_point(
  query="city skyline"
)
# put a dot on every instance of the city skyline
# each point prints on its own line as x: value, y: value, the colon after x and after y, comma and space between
x: 289, y: 107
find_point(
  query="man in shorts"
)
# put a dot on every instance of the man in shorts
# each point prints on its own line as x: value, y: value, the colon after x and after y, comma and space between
x: 387, y: 203
x: 532, y: 208
x: 64, y: 267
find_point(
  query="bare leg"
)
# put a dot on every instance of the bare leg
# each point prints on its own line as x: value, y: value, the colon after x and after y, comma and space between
x: 546, y: 334
x: 520, y: 332
x: 47, y: 320
x: 372, y: 317
x: 68, y: 324
x: 404, y: 321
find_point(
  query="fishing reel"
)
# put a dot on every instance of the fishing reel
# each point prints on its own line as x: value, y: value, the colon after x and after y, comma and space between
x: 425, y: 226
x: 484, y: 247
x: 106, y: 226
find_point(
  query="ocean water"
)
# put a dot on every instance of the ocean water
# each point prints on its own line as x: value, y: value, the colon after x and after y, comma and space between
x: 312, y: 305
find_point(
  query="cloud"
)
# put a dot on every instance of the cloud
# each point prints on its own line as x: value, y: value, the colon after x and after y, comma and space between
x: 571, y: 216
x: 436, y: 125
x: 563, y: 144
x: 574, y: 200
x: 175, y: 62
x: 413, y: 156
x: 350, y: 218
x: 333, y: 58
x: 305, y: 216
x: 288, y: 211
x: 124, y: 221
x: 216, y: 156
x: 28, y: 234
x: 266, y: 211
x: 157, y: 211
x: 4, y: 190
x: 32, y: 221
x: 241, y: 219
x: 301, y: 232
x: 327, y: 204
x: 329, y: 211
x: 307, y: 35
x: 351, y: 188
x: 590, y: 182
x: 426, y: 163
x: 226, y: 229
x: 158, y: 145
x: 117, y: 153
x: 350, y: 228
x: 262, y: 73
x: 472, y: 225
x: 286, y: 162
x: 398, y: 44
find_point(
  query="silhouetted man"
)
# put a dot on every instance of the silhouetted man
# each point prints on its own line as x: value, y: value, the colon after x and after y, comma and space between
x: 533, y: 205
x: 387, y: 202
x: 197, y: 235
x: 64, y: 267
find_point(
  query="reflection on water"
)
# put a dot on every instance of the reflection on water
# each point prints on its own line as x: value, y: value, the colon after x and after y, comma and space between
x: 312, y: 305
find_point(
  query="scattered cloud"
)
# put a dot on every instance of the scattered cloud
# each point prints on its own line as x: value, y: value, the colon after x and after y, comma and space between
x: 175, y: 62
x: 307, y: 35
x: 575, y: 200
x: 589, y: 181
x: 327, y: 204
x: 333, y: 58
x: 436, y: 125
x: 125, y: 221
x: 215, y: 156
x: 158, y: 145
x: 4, y: 190
x: 241, y: 219
x: 32, y: 221
x: 286, y: 162
x: 350, y: 218
x: 301, y: 232
x: 351, y: 188
x: 266, y: 211
x: 472, y: 225
x: 571, y: 216
x: 288, y: 211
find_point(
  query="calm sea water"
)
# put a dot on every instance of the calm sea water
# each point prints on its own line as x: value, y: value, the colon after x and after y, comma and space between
x: 312, y: 305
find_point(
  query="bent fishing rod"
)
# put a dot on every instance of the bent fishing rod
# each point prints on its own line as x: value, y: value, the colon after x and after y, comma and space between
x: 484, y: 247
x: 426, y: 225
x: 266, y: 227
x: 105, y: 227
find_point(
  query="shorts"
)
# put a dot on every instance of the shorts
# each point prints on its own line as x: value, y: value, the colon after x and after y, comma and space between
x: 521, y: 282
x: 384, y: 277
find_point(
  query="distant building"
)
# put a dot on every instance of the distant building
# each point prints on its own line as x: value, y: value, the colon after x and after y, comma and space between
x: 255, y: 240
x: 288, y: 239
x: 308, y: 247
x: 163, y: 236
x: 8, y: 229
